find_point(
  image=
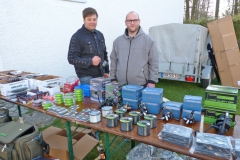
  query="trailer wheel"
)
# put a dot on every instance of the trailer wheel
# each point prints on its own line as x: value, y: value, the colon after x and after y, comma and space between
x: 206, y: 82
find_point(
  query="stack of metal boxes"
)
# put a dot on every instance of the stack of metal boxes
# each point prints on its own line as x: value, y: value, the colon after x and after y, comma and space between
x: 97, y: 88
x: 153, y: 98
x: 132, y: 95
x: 192, y: 105
x: 218, y: 100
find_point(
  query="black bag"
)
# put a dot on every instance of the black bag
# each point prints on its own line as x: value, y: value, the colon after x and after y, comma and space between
x: 21, y: 142
x: 4, y: 115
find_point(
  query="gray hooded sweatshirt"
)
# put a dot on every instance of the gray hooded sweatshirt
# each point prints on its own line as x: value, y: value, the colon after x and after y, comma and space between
x: 134, y: 60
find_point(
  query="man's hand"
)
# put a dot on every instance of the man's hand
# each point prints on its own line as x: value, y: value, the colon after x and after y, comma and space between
x: 96, y: 60
x: 105, y: 75
x: 151, y: 85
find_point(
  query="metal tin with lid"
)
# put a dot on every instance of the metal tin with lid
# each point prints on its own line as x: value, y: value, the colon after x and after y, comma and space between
x: 143, y: 128
x: 121, y: 112
x: 135, y: 115
x: 112, y: 120
x: 152, y: 119
x: 106, y: 110
x: 126, y: 124
x: 95, y: 116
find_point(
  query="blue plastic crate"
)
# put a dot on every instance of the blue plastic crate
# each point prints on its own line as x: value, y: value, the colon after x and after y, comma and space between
x: 85, y: 88
x: 152, y: 95
x: 153, y: 108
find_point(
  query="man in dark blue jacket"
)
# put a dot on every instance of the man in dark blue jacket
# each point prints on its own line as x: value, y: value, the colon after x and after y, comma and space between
x: 87, y: 49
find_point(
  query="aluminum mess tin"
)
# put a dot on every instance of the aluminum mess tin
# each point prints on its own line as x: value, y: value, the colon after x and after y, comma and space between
x: 95, y: 116
x: 107, y: 110
x: 152, y: 120
x: 135, y: 116
x: 112, y: 120
x: 143, y: 128
x: 121, y: 112
x: 126, y: 124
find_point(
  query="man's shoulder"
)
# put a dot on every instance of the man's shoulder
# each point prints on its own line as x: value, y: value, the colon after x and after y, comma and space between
x: 119, y: 38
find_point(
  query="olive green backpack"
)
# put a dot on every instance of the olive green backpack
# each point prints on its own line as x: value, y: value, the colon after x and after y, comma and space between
x: 21, y: 142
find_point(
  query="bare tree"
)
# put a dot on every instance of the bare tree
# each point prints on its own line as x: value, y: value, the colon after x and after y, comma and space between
x: 194, y: 4
x: 187, y: 10
x: 217, y: 9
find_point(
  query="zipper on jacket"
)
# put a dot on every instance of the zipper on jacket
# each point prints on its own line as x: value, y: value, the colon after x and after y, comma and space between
x: 128, y: 59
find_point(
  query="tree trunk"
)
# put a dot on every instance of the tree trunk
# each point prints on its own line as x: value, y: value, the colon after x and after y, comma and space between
x: 193, y: 9
x: 187, y: 10
x: 217, y: 9
x: 236, y: 7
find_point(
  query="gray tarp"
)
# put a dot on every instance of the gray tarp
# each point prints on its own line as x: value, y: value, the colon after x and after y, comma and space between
x: 180, y: 43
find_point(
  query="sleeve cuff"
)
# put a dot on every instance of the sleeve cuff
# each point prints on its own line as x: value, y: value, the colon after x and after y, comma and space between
x: 150, y: 81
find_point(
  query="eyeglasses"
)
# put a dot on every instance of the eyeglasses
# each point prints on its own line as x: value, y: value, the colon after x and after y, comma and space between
x: 132, y: 20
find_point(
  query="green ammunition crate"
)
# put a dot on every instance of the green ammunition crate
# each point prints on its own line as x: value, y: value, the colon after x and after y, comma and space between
x: 210, y: 116
x: 221, y: 97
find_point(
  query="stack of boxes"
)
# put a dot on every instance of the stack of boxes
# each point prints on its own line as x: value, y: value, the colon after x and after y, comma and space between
x: 132, y: 95
x: 97, y: 88
x: 153, y: 98
x: 192, y: 104
x: 218, y: 100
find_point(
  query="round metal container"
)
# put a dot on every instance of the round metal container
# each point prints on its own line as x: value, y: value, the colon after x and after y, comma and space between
x: 106, y: 110
x: 143, y: 128
x: 135, y: 115
x: 112, y: 120
x: 121, y: 112
x: 152, y: 119
x: 126, y: 124
x: 95, y: 116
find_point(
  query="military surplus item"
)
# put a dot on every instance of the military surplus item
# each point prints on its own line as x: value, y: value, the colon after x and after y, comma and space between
x: 4, y: 115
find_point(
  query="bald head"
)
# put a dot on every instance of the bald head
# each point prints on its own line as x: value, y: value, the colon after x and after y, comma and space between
x: 132, y: 13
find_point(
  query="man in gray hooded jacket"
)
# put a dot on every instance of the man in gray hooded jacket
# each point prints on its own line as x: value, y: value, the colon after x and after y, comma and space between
x: 134, y: 58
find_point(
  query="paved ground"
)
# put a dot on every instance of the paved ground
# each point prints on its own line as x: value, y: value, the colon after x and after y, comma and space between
x: 29, y: 116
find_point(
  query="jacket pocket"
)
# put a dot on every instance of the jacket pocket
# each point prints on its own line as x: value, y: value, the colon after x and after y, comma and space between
x: 88, y: 48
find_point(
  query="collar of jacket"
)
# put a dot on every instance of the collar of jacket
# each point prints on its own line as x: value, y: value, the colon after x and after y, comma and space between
x: 140, y: 31
x: 87, y: 31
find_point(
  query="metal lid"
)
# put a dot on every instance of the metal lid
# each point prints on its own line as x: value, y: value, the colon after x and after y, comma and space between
x: 134, y: 113
x: 94, y: 113
x: 121, y: 110
x: 143, y: 123
x: 150, y: 117
x: 111, y: 116
x: 126, y: 119
x: 107, y: 108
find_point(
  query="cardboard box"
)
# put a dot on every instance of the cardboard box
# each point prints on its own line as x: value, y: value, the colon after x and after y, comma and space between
x: 131, y: 91
x: 193, y: 103
x: 11, y: 88
x: 99, y: 83
x: 50, y: 89
x: 226, y: 50
x: 46, y: 81
x: 152, y: 95
x: 57, y: 139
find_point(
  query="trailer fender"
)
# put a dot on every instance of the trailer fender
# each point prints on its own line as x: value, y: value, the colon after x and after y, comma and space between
x: 206, y: 72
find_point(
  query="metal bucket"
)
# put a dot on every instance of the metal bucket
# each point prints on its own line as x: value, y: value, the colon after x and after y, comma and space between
x: 152, y: 119
x: 143, y: 128
x: 121, y: 112
x: 126, y: 124
x: 135, y: 115
x: 112, y: 120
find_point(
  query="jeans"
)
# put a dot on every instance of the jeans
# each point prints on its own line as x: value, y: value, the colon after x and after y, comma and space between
x: 85, y: 80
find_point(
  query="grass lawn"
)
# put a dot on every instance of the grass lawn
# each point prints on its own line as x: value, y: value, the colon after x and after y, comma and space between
x: 174, y: 91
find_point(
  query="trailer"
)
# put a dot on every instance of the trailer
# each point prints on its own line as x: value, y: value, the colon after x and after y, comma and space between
x: 183, y: 54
